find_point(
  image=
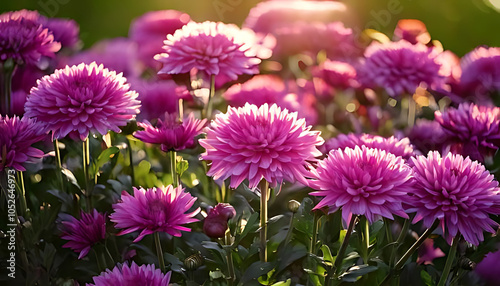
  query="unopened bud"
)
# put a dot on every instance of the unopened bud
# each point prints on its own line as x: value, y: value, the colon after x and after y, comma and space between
x: 293, y: 206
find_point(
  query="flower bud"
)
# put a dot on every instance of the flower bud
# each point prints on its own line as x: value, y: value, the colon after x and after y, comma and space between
x: 215, y: 223
x: 293, y: 206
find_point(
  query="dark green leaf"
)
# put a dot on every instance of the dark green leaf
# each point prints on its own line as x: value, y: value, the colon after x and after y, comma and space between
x: 353, y: 273
x: 256, y: 270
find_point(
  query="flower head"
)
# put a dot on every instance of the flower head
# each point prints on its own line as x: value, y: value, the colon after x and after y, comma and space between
x: 481, y: 71
x: 427, y: 252
x: 427, y: 135
x: 393, y: 145
x: 154, y: 210
x: 170, y: 133
x: 23, y: 39
x: 489, y: 268
x: 257, y: 143
x: 412, y: 30
x: 82, y: 99
x: 132, y: 275
x: 337, y: 74
x: 149, y: 31
x: 474, y: 129
x: 215, y: 224
x: 16, y: 137
x: 65, y: 31
x: 214, y: 48
x: 400, y: 67
x: 458, y: 192
x: 83, y: 233
x: 362, y: 181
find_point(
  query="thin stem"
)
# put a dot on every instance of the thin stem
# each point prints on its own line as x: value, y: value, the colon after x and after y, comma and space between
x: 86, y: 166
x: 412, y: 106
x: 449, y: 261
x: 399, y: 241
x: 264, y: 189
x: 173, y: 168
x: 223, y: 191
x: 131, y: 159
x: 159, y: 251
x: 366, y: 238
x: 180, y: 108
x: 22, y: 194
x: 59, y: 165
x: 290, y: 230
x: 416, y: 245
x: 210, y: 96
x: 343, y: 247
x: 314, y: 239
x: 229, y: 255
x: 98, y: 258
x: 388, y: 232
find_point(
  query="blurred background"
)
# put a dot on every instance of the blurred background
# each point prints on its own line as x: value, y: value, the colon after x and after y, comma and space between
x: 460, y: 25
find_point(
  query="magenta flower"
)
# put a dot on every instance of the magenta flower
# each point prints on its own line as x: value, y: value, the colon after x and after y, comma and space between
x: 489, y: 268
x: 362, y: 181
x: 170, y: 133
x: 399, y: 147
x: 215, y: 224
x: 23, y: 39
x: 132, y: 275
x: 16, y: 137
x: 400, y: 67
x: 427, y: 252
x: 474, y: 130
x: 413, y: 31
x: 83, y: 233
x: 149, y: 31
x: 337, y: 74
x: 214, y: 48
x: 428, y: 135
x: 258, y: 143
x: 481, y: 71
x: 82, y: 99
x: 458, y: 192
x: 65, y: 31
x: 154, y: 210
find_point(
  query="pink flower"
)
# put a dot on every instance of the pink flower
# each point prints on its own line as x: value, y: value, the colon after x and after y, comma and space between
x: 481, y: 71
x: 337, y: 74
x: 154, y: 210
x: 82, y: 99
x: 132, y: 275
x: 413, y: 31
x: 427, y: 252
x: 215, y: 224
x: 170, y: 133
x: 362, y: 181
x: 23, y: 39
x: 489, y: 268
x: 83, y: 233
x: 258, y: 143
x: 428, y: 135
x: 458, y: 192
x: 149, y: 31
x: 214, y: 48
x: 16, y: 137
x: 400, y: 67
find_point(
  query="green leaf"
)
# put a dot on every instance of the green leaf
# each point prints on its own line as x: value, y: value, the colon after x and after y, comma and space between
x: 251, y: 226
x: 353, y: 273
x: 104, y: 157
x: 304, y: 218
x: 327, y: 255
x: 71, y: 178
x: 182, y: 165
x: 283, y: 283
x: 256, y: 270
x: 426, y: 277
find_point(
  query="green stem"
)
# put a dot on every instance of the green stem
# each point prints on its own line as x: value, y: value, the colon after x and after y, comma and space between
x: 229, y: 255
x: 159, y: 251
x: 314, y: 239
x: 290, y: 230
x: 264, y: 189
x: 59, y: 165
x: 210, y: 96
x: 173, y: 168
x: 343, y: 247
x: 449, y: 261
x: 223, y: 191
x: 399, y: 241
x: 131, y: 159
x: 416, y: 245
x: 366, y: 238
x: 86, y: 166
x: 180, y: 108
x: 388, y: 231
x: 22, y: 195
x: 412, y: 107
x: 98, y: 259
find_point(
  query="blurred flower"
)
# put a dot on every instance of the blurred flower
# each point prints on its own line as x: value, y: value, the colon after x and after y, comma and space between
x: 83, y: 233
x: 214, y: 48
x: 149, y: 31
x: 427, y: 252
x: 481, y: 71
x: 215, y: 224
x: 475, y: 130
x: 170, y: 133
x: 400, y: 67
x: 132, y: 275
x: 18, y: 98
x: 428, y: 135
x: 65, y: 31
x: 23, y: 39
x: 118, y: 54
x: 458, y: 192
x: 337, y: 74
x: 489, y: 268
x: 362, y: 181
x: 16, y: 137
x: 253, y: 143
x: 154, y: 210
x: 413, y: 31
x: 81, y: 99
x: 399, y: 147
x: 158, y: 97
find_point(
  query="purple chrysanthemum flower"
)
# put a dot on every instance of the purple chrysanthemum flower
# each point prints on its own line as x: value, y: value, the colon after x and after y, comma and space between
x: 258, y: 90
x: 399, y: 147
x: 83, y: 233
x: 458, y: 192
x: 489, y: 268
x: 214, y: 48
x: 474, y: 130
x: 132, y: 275
x: 258, y: 143
x: 23, y: 39
x: 400, y: 67
x: 427, y: 252
x: 149, y: 31
x: 154, y: 210
x: 170, y: 133
x: 16, y: 137
x: 481, y: 71
x: 65, y: 31
x: 362, y: 181
x: 82, y: 99
x: 337, y: 74
x: 428, y: 135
